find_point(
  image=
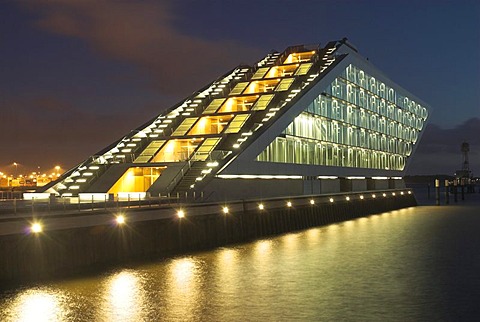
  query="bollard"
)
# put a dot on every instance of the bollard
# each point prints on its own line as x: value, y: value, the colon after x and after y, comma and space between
x: 455, y: 193
x: 437, y: 192
x: 447, y: 192
x: 462, y: 184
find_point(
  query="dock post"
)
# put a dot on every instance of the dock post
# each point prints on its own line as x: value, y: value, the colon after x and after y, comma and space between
x: 437, y: 192
x: 455, y: 192
x: 447, y: 192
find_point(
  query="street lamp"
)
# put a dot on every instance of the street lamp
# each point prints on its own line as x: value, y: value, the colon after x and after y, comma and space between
x: 16, y: 168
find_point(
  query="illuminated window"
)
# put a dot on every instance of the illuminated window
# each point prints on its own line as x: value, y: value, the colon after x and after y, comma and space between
x: 210, y: 125
x: 185, y: 126
x: 237, y: 123
x: 261, y: 86
x: 214, y: 105
x: 205, y: 149
x: 149, y: 151
x: 238, y: 104
x: 262, y: 102
x: 176, y: 150
x: 284, y: 84
x: 299, y: 57
x: 137, y: 179
x: 304, y: 68
x: 238, y: 89
x: 281, y: 71
x: 260, y: 73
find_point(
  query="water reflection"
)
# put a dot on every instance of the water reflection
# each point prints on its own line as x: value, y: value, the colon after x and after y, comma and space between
x: 401, y: 265
x: 124, y: 297
x: 37, y: 305
x: 182, y: 289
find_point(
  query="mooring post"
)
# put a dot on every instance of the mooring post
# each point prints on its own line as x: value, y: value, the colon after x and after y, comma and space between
x: 455, y: 192
x: 437, y: 192
x: 447, y: 192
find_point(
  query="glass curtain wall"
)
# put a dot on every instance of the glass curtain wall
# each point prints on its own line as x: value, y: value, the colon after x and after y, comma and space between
x: 357, y: 122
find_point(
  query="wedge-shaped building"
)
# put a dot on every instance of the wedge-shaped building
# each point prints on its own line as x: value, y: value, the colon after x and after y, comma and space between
x: 309, y: 120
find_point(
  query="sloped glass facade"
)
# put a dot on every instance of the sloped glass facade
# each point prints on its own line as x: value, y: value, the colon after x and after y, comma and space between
x: 357, y: 121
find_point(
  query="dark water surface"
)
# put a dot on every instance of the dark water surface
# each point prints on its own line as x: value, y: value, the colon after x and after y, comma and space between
x: 415, y: 264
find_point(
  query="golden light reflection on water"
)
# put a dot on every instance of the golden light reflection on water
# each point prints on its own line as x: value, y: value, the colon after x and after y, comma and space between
x: 124, y: 297
x: 38, y: 305
x: 227, y: 262
x: 183, y: 289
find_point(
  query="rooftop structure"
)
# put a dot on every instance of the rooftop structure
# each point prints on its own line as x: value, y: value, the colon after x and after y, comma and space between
x: 308, y: 120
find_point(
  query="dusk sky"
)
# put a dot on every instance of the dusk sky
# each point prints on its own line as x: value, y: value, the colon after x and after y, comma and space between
x: 77, y: 75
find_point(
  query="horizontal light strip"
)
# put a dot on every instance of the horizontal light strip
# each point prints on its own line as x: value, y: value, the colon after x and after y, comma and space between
x: 256, y: 176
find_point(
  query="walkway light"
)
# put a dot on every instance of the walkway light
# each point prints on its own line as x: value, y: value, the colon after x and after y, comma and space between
x: 225, y: 210
x: 409, y: 192
x: 289, y: 204
x: 120, y: 219
x: 261, y: 206
x: 36, y: 228
x: 312, y: 202
x: 347, y: 198
x: 393, y: 193
x: 361, y: 197
x: 384, y: 194
x: 331, y: 199
x: 180, y: 214
x: 374, y: 196
x: 401, y: 193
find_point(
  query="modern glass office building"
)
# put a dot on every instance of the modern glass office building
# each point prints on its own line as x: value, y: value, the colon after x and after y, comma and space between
x: 309, y: 120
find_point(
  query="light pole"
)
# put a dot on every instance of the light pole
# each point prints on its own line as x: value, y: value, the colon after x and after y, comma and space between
x: 16, y: 168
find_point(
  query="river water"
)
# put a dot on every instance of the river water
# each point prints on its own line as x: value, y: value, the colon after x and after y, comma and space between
x: 415, y: 264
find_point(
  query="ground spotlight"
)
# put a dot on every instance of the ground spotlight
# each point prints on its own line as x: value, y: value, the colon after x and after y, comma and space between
x: 120, y: 219
x: 36, y: 228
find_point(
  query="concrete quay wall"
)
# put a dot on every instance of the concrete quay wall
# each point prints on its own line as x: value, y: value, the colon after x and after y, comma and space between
x: 157, y: 233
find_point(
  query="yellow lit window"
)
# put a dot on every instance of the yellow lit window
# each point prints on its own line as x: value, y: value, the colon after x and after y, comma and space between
x: 149, y: 151
x: 185, y: 126
x: 205, y: 149
x: 260, y: 73
x: 237, y: 123
x: 304, y: 68
x: 176, y: 150
x: 213, y: 106
x: 137, y: 179
x: 284, y: 84
x: 238, y: 89
x: 261, y: 86
x: 238, y: 104
x: 281, y: 71
x: 262, y: 102
x: 210, y: 125
x: 299, y: 57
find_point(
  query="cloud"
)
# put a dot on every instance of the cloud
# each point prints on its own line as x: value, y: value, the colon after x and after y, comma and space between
x: 143, y: 33
x: 439, y: 150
